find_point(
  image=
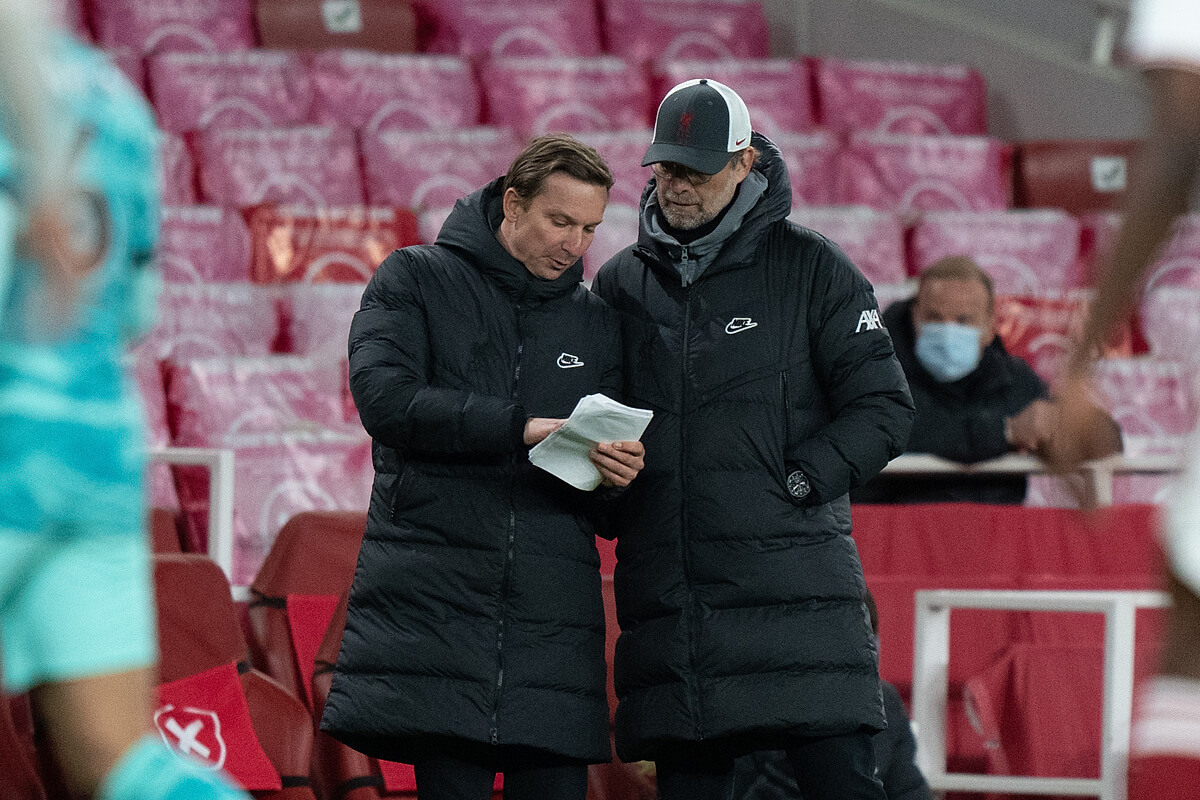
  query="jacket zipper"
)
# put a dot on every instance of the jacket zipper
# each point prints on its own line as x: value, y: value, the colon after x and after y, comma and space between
x: 686, y: 558
x: 787, y: 417
x: 494, y: 733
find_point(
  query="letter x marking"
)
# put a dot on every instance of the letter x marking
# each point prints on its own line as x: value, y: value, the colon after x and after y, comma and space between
x: 187, y: 737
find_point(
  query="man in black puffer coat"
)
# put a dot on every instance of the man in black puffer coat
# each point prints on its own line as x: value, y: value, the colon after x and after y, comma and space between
x: 474, y: 638
x: 775, y: 390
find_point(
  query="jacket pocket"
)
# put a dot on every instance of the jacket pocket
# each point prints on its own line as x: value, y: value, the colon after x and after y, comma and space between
x: 786, y: 408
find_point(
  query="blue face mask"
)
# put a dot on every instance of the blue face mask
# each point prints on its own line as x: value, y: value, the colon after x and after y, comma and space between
x: 949, y: 350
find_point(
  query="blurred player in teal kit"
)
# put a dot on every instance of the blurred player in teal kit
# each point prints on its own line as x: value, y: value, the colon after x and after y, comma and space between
x: 78, y: 222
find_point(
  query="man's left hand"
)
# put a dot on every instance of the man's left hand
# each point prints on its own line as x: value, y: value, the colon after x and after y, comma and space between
x: 618, y: 462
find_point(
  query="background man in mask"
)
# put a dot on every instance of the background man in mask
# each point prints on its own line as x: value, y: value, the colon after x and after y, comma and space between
x: 975, y: 401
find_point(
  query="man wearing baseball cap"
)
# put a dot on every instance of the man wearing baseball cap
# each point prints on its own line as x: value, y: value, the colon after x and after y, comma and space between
x: 775, y: 390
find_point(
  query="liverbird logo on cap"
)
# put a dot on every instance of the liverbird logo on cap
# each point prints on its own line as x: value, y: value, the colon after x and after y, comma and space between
x: 685, y: 127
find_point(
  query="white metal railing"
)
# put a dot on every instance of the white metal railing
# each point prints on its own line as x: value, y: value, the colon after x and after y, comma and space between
x: 931, y: 659
x: 1099, y: 473
x: 220, y: 501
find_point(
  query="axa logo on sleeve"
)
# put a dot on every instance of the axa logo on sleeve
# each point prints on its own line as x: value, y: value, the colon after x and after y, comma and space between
x: 739, y: 324
x: 868, y: 320
x: 568, y: 361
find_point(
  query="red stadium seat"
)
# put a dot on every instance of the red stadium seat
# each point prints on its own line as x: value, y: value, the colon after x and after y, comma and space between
x: 537, y: 28
x: 260, y: 733
x: 150, y: 26
x: 314, y: 554
x: 623, y: 152
x: 130, y: 62
x: 210, y: 320
x: 423, y: 171
x: 148, y: 380
x: 1025, y: 252
x: 317, y: 316
x: 873, y: 240
x: 685, y: 29
x: 247, y: 89
x: 316, y: 165
x: 203, y: 244
x: 1148, y: 398
x: 384, y: 25
x: 1170, y: 321
x: 542, y: 95
x: 620, y: 230
x: 177, y: 171
x: 377, y: 92
x: 901, y: 97
x: 913, y: 174
x: 330, y: 245
x: 18, y: 759
x: 284, y: 418
x: 1179, y: 262
x: 164, y: 531
x: 1077, y: 176
x: 778, y: 91
x: 811, y: 160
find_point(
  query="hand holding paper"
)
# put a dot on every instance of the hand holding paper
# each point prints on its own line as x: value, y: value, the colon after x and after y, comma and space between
x: 596, y: 419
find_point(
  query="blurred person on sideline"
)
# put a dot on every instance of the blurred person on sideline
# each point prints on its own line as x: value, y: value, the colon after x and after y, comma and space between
x: 775, y: 391
x: 77, y: 615
x: 975, y: 401
x: 474, y: 639
x: 1164, y: 40
x: 766, y: 775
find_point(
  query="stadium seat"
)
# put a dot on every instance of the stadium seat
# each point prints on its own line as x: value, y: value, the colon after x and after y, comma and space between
x: 203, y: 244
x: 912, y: 174
x: 376, y: 92
x: 177, y: 171
x: 313, y: 164
x: 1179, y: 262
x: 901, y: 97
x: 1025, y: 252
x: 430, y: 221
x: 284, y: 418
x: 778, y: 91
x: 1170, y: 321
x: 332, y: 245
x: 18, y: 759
x: 246, y: 89
x: 542, y: 95
x: 316, y: 318
x: 480, y: 29
x: 873, y: 240
x: 212, y: 704
x: 421, y: 171
x: 148, y: 380
x: 1038, y: 711
x: 706, y: 30
x: 313, y: 555
x: 811, y: 160
x: 620, y: 230
x: 150, y: 26
x: 130, y: 62
x: 208, y: 320
x: 623, y: 152
x: 385, y: 25
x: 1077, y: 176
x: 1147, y: 397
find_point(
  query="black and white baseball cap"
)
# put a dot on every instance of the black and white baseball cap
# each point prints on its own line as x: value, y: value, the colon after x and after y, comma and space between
x: 699, y: 124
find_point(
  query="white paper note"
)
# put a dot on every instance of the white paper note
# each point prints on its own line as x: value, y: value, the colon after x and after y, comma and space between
x: 596, y: 419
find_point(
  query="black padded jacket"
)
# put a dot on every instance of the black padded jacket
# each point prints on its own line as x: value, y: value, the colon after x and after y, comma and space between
x: 475, y: 611
x: 741, y: 607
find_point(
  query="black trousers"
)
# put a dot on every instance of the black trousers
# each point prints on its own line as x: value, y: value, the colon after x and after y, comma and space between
x: 467, y: 773
x: 827, y: 768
